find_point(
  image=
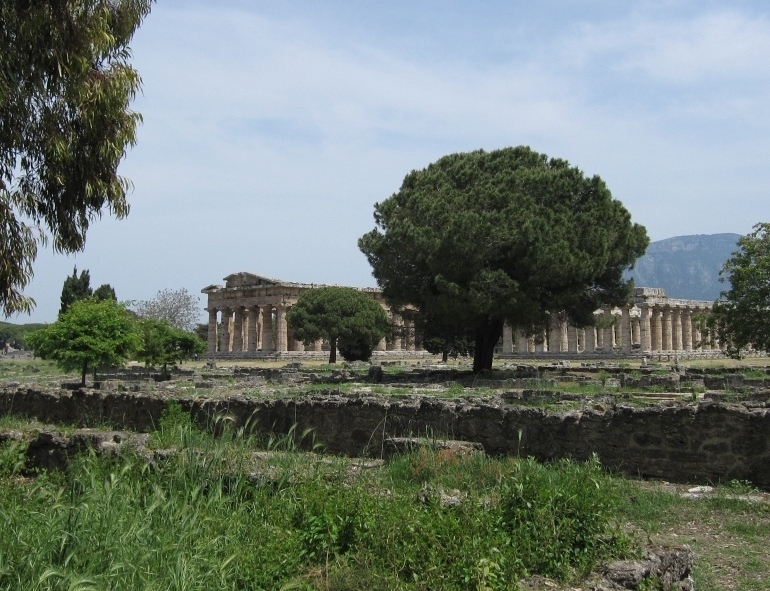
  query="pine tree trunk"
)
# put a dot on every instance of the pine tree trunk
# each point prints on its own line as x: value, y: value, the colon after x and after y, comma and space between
x: 333, y: 350
x: 488, y: 333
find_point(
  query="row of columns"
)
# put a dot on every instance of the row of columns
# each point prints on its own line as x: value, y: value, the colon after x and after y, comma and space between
x: 647, y: 329
x: 248, y: 329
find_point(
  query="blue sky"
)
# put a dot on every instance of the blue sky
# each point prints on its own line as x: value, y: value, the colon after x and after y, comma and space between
x: 272, y: 128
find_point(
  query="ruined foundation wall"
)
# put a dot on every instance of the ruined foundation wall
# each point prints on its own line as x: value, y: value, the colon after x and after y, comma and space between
x: 696, y: 442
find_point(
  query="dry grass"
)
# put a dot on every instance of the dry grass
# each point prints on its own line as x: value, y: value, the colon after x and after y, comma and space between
x: 728, y: 530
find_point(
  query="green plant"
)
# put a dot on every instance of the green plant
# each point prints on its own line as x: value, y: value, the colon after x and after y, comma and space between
x: 212, y: 515
x: 90, y: 335
x: 177, y: 430
x: 13, y: 457
x: 741, y: 487
x: 560, y: 519
x: 755, y: 373
x: 348, y: 318
x: 455, y: 390
x: 465, y: 230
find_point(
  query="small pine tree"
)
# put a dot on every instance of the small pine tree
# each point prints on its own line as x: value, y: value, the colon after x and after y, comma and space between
x: 105, y: 292
x: 75, y: 288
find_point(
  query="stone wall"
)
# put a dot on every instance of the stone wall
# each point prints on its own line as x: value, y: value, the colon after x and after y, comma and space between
x: 698, y: 442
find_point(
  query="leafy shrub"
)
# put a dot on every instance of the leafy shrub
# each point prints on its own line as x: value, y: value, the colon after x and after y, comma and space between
x: 559, y: 517
x: 13, y: 456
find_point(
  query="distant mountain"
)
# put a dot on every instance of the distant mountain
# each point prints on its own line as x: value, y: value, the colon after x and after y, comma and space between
x: 686, y: 267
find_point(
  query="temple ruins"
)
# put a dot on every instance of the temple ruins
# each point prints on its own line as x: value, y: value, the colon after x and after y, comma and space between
x: 250, y: 311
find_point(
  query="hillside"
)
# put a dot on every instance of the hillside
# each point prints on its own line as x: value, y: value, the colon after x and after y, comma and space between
x: 686, y: 266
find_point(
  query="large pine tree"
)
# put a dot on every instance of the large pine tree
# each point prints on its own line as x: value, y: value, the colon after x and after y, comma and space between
x: 483, y: 238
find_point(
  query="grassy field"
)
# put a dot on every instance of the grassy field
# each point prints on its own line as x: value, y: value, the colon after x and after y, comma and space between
x: 217, y: 516
x: 728, y: 530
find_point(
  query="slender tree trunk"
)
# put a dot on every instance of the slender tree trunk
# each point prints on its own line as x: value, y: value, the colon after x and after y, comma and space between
x: 83, y: 373
x: 444, y: 356
x: 333, y: 350
x: 488, y: 333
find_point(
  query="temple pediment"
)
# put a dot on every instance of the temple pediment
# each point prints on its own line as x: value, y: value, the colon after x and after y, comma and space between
x: 244, y: 279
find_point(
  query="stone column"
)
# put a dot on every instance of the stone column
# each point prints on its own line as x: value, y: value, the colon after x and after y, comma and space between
x: 266, y: 333
x: 522, y: 342
x: 507, y: 339
x: 553, y: 337
x: 299, y: 344
x: 259, y: 327
x: 224, y: 343
x: 645, y: 330
x: 211, y: 340
x: 398, y: 327
x: 590, y: 340
x: 382, y: 345
x: 676, y: 319
x: 573, y: 339
x: 318, y: 346
x: 697, y: 345
x: 626, y: 333
x: 409, y: 334
x: 281, y: 332
x: 668, y: 342
x: 564, y: 336
x: 252, y: 334
x: 238, y: 330
x: 687, y: 329
x: 657, y: 329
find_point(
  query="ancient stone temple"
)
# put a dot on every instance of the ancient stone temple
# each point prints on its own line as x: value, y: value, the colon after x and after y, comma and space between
x: 650, y: 323
x: 247, y: 318
x: 251, y: 313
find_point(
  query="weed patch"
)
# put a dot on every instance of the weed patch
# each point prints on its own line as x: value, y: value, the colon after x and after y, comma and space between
x: 210, y: 516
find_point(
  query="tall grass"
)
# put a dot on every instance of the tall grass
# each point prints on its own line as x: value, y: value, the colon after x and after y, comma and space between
x: 213, y: 517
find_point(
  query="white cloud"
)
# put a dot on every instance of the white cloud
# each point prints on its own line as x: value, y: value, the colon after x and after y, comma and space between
x: 270, y: 130
x: 713, y: 47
